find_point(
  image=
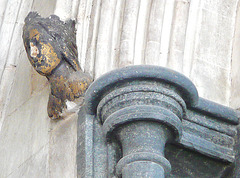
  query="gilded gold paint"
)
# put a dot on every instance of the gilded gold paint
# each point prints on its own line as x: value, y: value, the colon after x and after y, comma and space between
x: 48, y: 59
x: 64, y: 74
x: 78, y: 68
x: 83, y: 86
x: 73, y: 61
x: 34, y: 33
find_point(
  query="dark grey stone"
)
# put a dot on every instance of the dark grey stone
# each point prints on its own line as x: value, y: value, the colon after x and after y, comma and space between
x: 136, y: 115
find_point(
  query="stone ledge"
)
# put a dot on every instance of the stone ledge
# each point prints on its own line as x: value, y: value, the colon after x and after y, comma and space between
x: 210, y: 128
x: 125, y: 103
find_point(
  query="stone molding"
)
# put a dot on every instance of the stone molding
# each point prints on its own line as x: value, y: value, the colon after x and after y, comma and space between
x: 210, y: 128
x: 137, y: 110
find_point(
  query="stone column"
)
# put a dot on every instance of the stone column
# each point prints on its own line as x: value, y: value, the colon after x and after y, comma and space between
x: 142, y: 108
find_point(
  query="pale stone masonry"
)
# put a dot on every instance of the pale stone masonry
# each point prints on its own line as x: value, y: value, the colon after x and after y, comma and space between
x: 199, y: 38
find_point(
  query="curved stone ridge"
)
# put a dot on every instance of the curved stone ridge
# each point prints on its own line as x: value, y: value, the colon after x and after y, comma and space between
x: 143, y: 113
x: 141, y: 94
x: 143, y: 156
x: 221, y: 112
x: 143, y: 108
x: 115, y: 78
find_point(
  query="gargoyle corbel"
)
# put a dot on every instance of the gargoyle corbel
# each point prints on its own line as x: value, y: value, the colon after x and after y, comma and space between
x: 51, y: 49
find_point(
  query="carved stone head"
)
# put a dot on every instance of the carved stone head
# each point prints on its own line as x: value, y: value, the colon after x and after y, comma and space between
x: 48, y: 41
x: 51, y: 49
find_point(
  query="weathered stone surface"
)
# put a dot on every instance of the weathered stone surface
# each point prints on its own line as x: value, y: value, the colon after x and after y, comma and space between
x: 3, y: 5
x: 4, y: 94
x: 24, y: 132
x: 35, y: 166
x: 177, y: 46
x: 235, y: 72
x: 218, y: 83
x: 51, y: 49
x: 234, y: 170
x: 6, y: 31
x: 215, y: 47
x: 186, y: 163
x: 49, y: 7
x: 62, y: 147
x: 38, y: 82
x: 21, y: 85
x: 211, y: 129
x: 221, y: 7
x: 209, y: 29
x: 137, y: 111
x: 25, y: 128
x: 11, y: 45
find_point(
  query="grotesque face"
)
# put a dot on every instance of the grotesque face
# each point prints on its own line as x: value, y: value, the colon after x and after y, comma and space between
x: 51, y: 48
x: 40, y: 51
x: 49, y: 41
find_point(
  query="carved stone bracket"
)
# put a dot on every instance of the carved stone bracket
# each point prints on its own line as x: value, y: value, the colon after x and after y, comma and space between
x: 138, y: 110
x: 51, y: 49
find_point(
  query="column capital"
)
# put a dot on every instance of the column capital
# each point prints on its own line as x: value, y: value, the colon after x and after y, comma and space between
x: 135, y: 111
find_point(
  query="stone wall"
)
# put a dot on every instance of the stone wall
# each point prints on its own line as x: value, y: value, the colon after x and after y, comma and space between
x: 199, y: 38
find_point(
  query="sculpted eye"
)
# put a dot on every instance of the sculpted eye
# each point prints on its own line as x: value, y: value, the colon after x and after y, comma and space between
x: 33, y: 50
